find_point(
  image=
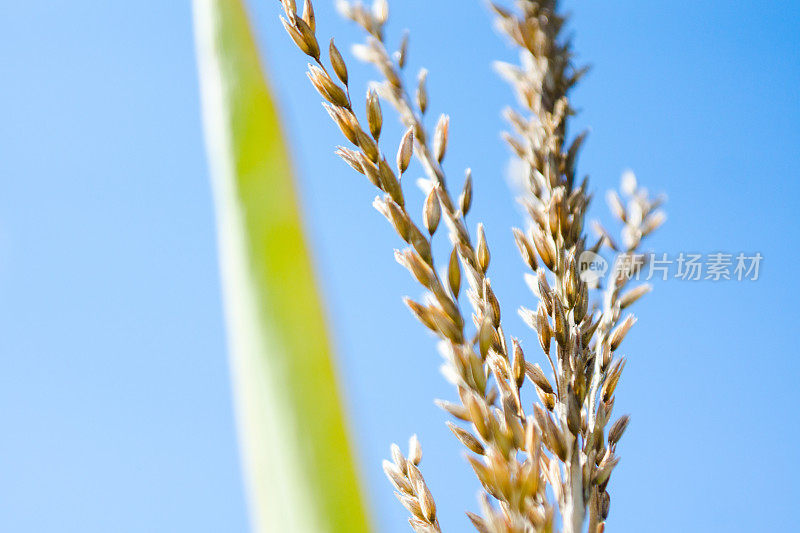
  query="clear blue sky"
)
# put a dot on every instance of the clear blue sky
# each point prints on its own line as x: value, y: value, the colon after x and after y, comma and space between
x: 114, y: 398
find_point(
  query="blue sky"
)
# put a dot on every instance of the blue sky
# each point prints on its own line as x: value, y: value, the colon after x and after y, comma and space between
x: 114, y: 395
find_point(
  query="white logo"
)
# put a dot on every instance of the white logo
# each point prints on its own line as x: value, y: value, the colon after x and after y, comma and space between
x: 591, y: 266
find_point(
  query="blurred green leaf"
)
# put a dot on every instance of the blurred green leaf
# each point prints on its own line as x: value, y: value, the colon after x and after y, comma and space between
x: 300, y: 472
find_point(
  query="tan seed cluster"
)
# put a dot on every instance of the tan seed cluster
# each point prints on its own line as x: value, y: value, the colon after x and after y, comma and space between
x: 410, y: 487
x: 562, y: 445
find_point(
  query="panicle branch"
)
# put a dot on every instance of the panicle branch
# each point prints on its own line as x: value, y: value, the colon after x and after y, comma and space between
x: 560, y: 442
x: 586, y: 369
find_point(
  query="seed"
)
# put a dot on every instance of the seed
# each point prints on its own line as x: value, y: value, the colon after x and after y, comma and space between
x: 483, y: 250
x: 374, y: 116
x: 465, y: 200
x: 616, y: 431
x: 440, y: 137
x: 337, y: 61
x: 405, y: 151
x: 422, y: 92
x: 414, y: 450
x: 308, y: 15
x: 432, y: 212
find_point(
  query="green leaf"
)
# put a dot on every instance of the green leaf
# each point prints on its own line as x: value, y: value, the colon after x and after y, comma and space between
x: 300, y: 472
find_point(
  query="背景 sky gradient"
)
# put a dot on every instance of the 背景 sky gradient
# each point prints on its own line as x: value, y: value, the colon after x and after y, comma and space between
x: 114, y: 395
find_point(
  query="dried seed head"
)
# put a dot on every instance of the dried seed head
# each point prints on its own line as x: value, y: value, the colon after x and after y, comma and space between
x: 588, y: 329
x: 616, y: 431
x: 364, y: 53
x: 368, y: 146
x: 440, y: 137
x: 516, y: 146
x: 411, y: 503
x: 536, y: 375
x: 303, y: 38
x: 431, y: 212
x: 405, y: 151
x: 465, y: 200
x: 611, y: 381
x: 547, y: 399
x: 532, y: 442
x: 491, y: 299
x: 543, y: 329
x: 458, y: 411
x: 371, y: 172
x: 552, y: 213
x: 477, y: 415
x: 572, y: 153
x: 397, y: 478
x: 413, y: 262
x: 422, y: 91
x: 402, y: 52
x: 426, y: 503
x: 374, y: 116
x: 627, y: 183
x: 557, y: 210
x: 380, y: 11
x: 491, y: 396
x: 604, y: 471
x: 572, y: 283
x: 620, y: 331
x: 422, y: 314
x: 420, y: 526
x: 347, y: 123
x: 310, y: 44
x: 289, y: 7
x: 559, y: 321
x: 634, y: 294
x: 525, y: 249
x: 483, y: 250
x: 390, y: 183
x: 573, y: 413
x: 501, y: 370
x: 478, y: 523
x: 500, y: 471
x: 518, y: 368
x: 545, y: 293
x: 414, y: 450
x: 350, y: 157
x: 454, y: 273
x: 420, y: 244
x: 605, y: 506
x: 416, y: 478
x: 337, y: 61
x: 482, y: 472
x: 546, y: 249
x: 615, y: 204
x: 399, y: 461
x: 326, y: 87
x: 308, y: 15
x: 653, y: 222
x: 445, y: 327
x: 551, y: 435
x: 606, y: 356
x: 345, y: 9
x: 398, y: 218
x: 582, y: 306
x: 448, y: 305
x: 486, y: 334
x: 467, y: 439
x: 528, y: 316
